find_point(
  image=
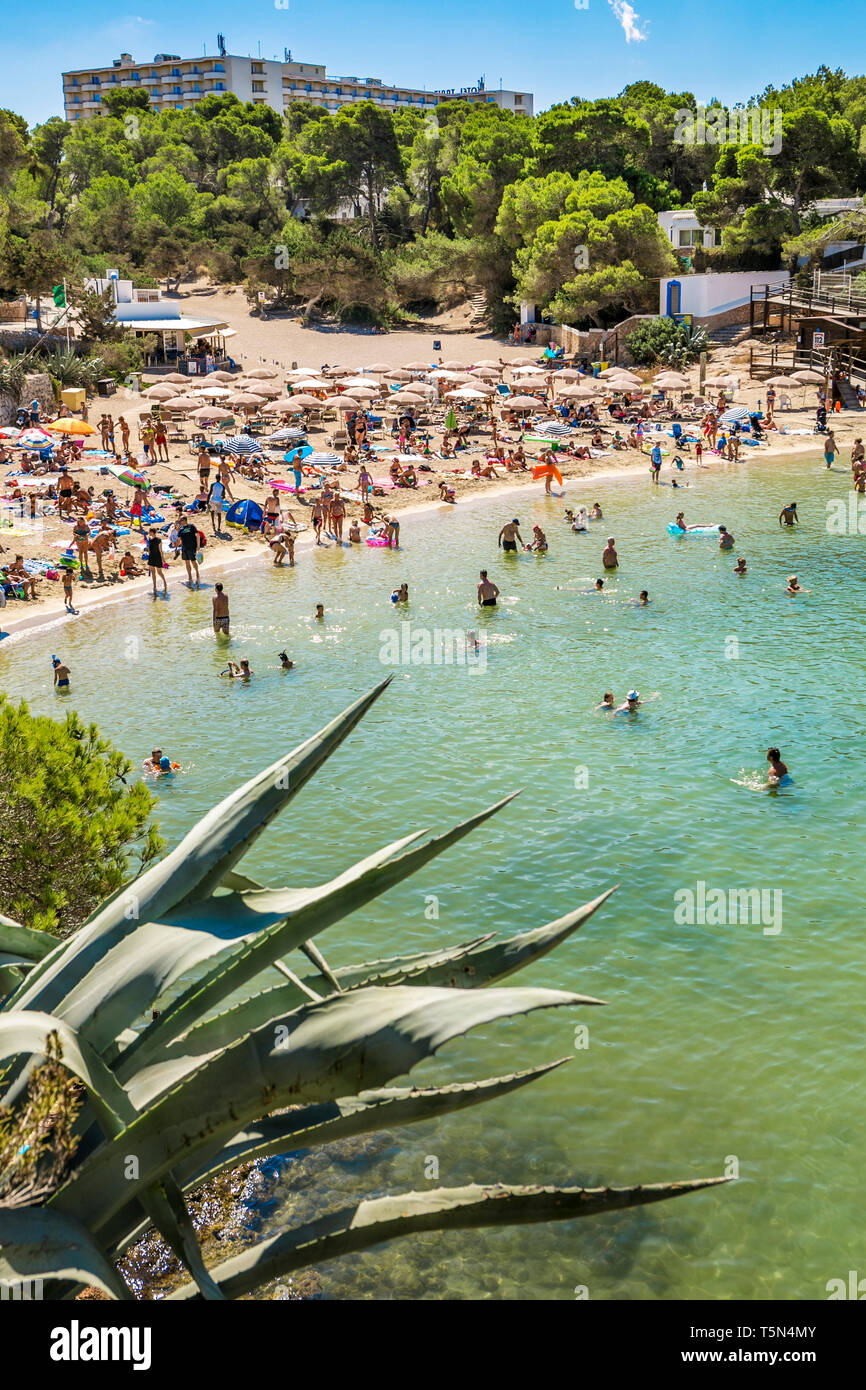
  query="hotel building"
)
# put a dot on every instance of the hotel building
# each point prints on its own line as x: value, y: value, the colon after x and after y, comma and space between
x: 175, y: 84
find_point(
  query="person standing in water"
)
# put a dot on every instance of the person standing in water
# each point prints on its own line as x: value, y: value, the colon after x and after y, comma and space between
x: 788, y: 515
x: 609, y: 557
x: 778, y: 769
x: 155, y: 561
x: 509, y: 536
x: 487, y: 591
x: 740, y: 566
x: 61, y: 674
x: 830, y: 449
x: 220, y: 605
x: 726, y: 540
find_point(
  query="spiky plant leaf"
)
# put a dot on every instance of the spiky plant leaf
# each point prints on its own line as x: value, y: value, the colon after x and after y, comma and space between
x: 25, y: 943
x: 190, y: 872
x: 351, y: 1041
x: 384, y: 1218
x: 38, y: 1243
x: 310, y: 1126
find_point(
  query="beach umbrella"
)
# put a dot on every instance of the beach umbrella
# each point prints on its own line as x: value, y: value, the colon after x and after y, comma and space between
x: 131, y: 476
x: 399, y: 375
x: 486, y: 373
x: 342, y: 403
x: 379, y: 367
x: 333, y: 371
x: 207, y: 413
x: 323, y: 460
x: 417, y: 366
x: 522, y: 362
x: 182, y: 403
x: 302, y: 402
x: 283, y: 436
x: 721, y: 381
x: 529, y: 371
x: 365, y: 393
x: 786, y: 382
x: 489, y: 362
x: 67, y: 426
x: 454, y: 366
x: 568, y: 374
x: 222, y: 376
x: 265, y: 389
x: 177, y: 377
x: 33, y: 439
x: 311, y: 383
x: 263, y: 373
x: 160, y: 392
x: 364, y: 381
x: 212, y: 392
x: 736, y: 415
x: 276, y: 407
x: 671, y: 381
x: 302, y: 371
x: 244, y: 398
x: 808, y: 376
x: 465, y: 393
x: 523, y: 403
x: 296, y: 455
x: 242, y: 445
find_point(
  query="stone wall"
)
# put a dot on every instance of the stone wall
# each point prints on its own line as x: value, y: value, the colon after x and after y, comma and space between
x: 37, y: 386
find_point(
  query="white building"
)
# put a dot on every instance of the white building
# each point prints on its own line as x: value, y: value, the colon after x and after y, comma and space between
x: 704, y: 296
x: 145, y: 311
x: 173, y: 83
x: 685, y: 231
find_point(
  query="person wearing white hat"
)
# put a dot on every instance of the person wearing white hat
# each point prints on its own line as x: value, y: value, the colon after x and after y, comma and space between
x: 632, y: 700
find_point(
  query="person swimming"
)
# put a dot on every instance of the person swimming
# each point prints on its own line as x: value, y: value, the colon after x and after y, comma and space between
x: 740, y: 566
x: 643, y: 599
x: 607, y: 701
x: 285, y: 663
x: 632, y: 701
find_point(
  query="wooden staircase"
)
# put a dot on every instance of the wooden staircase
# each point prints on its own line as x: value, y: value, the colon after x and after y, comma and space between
x: 478, y: 306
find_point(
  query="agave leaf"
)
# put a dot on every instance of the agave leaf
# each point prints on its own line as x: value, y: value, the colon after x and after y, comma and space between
x: 371, y: 1222
x: 348, y: 1042
x: 322, y: 907
x: 38, y: 1243
x: 21, y: 941
x: 190, y: 872
x: 497, y: 959
x: 25, y: 1034
x: 310, y: 1126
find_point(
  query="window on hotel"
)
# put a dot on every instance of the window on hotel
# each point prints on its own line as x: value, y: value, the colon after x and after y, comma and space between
x: 135, y: 77
x: 218, y: 67
x: 258, y: 86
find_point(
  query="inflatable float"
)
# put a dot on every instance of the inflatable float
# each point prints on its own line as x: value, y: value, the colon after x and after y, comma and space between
x: 675, y: 530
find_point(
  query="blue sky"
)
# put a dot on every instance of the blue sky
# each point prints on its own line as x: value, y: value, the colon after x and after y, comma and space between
x: 730, y: 50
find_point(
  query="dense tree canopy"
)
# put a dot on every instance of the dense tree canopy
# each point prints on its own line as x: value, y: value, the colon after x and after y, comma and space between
x: 381, y: 212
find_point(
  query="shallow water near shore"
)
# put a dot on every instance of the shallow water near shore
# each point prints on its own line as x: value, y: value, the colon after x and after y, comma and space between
x: 721, y: 1046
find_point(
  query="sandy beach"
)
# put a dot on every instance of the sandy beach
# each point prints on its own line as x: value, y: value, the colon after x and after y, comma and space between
x: 280, y: 343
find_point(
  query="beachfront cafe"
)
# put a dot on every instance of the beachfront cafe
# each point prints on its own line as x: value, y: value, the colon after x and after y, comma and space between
x: 192, y: 346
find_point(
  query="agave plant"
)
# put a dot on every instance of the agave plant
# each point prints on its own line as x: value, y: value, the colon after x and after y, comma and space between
x: 253, y: 1055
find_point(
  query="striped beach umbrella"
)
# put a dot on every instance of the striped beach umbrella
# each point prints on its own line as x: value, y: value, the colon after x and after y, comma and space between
x: 242, y: 445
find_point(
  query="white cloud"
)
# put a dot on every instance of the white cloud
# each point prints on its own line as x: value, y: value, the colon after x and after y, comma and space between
x: 629, y: 21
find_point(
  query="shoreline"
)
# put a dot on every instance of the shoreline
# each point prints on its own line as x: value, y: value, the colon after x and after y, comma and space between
x: 252, y: 553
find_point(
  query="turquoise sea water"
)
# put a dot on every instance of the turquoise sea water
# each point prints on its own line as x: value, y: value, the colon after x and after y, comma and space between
x: 721, y: 1045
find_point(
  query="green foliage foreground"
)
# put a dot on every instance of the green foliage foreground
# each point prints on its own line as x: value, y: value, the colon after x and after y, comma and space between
x: 174, y: 1100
